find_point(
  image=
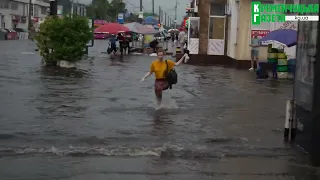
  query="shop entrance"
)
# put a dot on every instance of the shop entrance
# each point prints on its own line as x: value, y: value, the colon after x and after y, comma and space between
x: 216, y: 36
x: 193, y: 35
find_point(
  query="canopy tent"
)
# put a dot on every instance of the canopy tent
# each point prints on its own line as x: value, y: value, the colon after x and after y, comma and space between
x: 140, y: 29
x: 112, y: 28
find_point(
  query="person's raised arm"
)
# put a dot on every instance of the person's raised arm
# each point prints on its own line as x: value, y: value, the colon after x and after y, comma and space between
x: 181, y: 59
x: 148, y: 73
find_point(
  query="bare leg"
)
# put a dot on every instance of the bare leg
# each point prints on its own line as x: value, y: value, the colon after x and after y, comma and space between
x: 257, y: 61
x: 181, y: 48
x: 252, y: 60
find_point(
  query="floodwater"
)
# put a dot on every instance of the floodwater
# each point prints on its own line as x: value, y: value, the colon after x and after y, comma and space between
x: 98, y: 122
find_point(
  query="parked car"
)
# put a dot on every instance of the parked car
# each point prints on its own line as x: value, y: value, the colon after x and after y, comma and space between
x: 3, y: 34
x: 12, y: 34
x: 19, y: 30
x: 100, y: 35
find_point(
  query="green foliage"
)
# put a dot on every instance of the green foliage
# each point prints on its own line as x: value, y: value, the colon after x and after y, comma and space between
x: 63, y: 38
x: 105, y: 10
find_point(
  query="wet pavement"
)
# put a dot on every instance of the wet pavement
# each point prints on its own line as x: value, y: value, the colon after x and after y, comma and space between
x: 99, y: 122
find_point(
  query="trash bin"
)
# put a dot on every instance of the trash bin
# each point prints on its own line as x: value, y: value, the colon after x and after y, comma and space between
x: 282, y: 65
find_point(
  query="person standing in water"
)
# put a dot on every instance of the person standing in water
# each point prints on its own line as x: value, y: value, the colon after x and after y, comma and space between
x: 254, y: 51
x: 160, y: 68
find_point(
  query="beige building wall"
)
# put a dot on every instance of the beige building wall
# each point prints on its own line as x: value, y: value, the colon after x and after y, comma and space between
x: 204, y: 13
x: 242, y: 48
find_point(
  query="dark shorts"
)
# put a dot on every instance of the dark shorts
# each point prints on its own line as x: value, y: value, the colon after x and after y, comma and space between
x: 159, y: 86
x: 254, y: 53
x: 114, y: 49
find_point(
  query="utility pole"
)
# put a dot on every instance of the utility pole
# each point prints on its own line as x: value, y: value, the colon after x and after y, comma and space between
x: 153, y: 7
x: 165, y: 18
x: 140, y: 5
x: 30, y: 25
x: 160, y: 15
x: 140, y: 19
x: 175, y: 15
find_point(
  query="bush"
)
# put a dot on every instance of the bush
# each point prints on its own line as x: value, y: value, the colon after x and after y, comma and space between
x: 63, y: 38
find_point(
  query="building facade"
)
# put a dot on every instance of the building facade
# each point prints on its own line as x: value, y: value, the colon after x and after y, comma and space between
x: 307, y: 87
x: 223, y: 28
x: 71, y: 7
x: 15, y: 13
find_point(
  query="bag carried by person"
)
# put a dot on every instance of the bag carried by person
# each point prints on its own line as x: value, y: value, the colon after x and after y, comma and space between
x: 109, y: 50
x: 172, y: 76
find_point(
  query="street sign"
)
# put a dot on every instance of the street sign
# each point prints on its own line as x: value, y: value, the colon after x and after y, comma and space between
x: 140, y: 15
x: 90, y: 24
x: 120, y: 18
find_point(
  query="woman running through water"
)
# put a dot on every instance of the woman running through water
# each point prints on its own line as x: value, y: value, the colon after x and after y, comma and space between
x: 159, y: 68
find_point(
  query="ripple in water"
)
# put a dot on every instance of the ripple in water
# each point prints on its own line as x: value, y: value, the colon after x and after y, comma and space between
x: 164, y: 151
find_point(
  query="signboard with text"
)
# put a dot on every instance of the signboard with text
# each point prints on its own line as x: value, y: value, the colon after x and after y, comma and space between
x: 260, y: 34
x: 120, y: 18
x: 90, y: 24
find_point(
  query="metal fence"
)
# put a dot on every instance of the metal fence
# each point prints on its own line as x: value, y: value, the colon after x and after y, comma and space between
x: 23, y: 35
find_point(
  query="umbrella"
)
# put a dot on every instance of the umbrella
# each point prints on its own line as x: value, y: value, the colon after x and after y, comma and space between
x: 173, y: 30
x: 112, y: 28
x: 140, y: 29
x: 287, y: 37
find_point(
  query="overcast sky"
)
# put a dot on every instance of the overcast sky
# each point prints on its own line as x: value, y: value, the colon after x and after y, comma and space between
x: 166, y: 5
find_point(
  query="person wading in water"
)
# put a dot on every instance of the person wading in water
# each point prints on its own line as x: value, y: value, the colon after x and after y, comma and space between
x: 160, y: 68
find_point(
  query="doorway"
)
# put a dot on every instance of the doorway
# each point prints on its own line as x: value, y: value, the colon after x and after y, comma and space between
x: 216, y: 36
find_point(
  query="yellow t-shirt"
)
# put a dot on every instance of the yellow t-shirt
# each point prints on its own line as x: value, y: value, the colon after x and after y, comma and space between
x: 159, y: 68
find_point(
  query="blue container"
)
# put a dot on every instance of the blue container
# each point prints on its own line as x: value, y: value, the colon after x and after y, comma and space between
x: 292, y: 66
x: 262, y: 71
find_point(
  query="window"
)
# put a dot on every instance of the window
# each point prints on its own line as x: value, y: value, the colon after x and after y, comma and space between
x: 217, y: 9
x: 25, y: 10
x: 194, y: 27
x: 216, y: 27
x: 31, y: 10
x: 36, y: 10
x: 4, y: 4
x: 43, y: 10
x: 14, y: 5
x: 78, y: 10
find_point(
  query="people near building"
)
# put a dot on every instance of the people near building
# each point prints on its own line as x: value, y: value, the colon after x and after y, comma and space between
x: 254, y: 51
x: 154, y: 44
x: 126, y: 44
x: 113, y: 45
x: 182, y: 40
x: 121, y: 40
x: 173, y: 43
x: 161, y: 68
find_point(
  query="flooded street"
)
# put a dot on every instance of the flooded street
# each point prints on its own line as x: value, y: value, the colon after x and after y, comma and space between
x: 98, y: 122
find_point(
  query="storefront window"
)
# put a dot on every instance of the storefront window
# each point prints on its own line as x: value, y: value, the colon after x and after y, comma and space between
x: 194, y: 27
x: 216, y: 27
x: 217, y: 9
x: 306, y: 57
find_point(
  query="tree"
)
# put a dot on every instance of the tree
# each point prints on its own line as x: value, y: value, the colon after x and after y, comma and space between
x: 105, y: 10
x: 63, y: 39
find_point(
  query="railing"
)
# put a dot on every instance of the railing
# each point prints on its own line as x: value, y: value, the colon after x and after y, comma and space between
x: 23, y: 35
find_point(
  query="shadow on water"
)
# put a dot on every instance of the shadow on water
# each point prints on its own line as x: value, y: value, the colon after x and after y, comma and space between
x: 51, y: 71
x: 61, y: 94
